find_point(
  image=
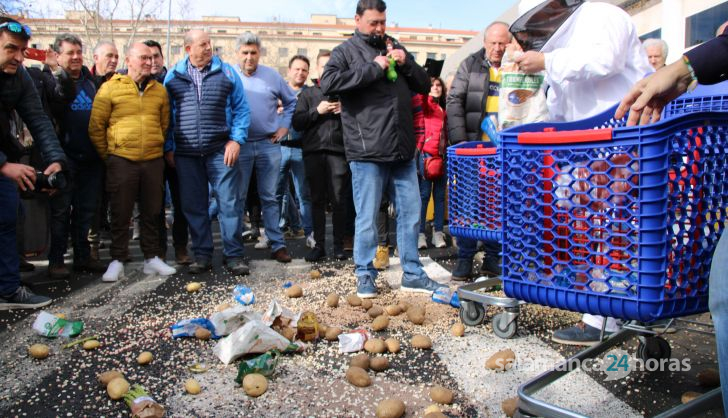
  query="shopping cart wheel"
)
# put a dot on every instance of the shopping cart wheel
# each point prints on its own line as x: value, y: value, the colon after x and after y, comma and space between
x: 653, y: 348
x: 502, y: 328
x: 471, y: 313
x: 521, y: 414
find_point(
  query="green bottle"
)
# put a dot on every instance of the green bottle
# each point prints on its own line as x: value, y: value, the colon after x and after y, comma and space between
x: 392, y: 70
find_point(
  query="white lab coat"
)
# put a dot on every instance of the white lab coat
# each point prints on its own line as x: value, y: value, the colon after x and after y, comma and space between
x: 592, y: 61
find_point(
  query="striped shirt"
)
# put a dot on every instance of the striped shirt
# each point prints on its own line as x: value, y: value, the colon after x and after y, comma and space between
x: 197, y: 76
x: 491, y: 103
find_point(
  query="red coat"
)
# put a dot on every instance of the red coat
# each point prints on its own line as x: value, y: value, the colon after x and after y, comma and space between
x: 435, y: 136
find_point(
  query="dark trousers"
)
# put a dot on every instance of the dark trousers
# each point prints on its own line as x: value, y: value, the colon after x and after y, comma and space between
x: 9, y: 261
x: 328, y: 174
x: 126, y: 182
x: 73, y: 209
x: 180, y: 236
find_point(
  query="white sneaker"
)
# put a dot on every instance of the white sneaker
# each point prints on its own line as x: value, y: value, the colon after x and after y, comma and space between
x: 438, y: 239
x: 135, y: 230
x: 113, y: 272
x: 157, y: 266
x: 310, y: 242
x: 421, y: 241
x: 263, y: 242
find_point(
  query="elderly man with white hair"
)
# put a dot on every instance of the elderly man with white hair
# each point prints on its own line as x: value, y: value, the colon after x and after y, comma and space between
x: 656, y: 50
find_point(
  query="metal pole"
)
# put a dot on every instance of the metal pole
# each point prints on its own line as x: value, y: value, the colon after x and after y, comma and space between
x: 169, y: 29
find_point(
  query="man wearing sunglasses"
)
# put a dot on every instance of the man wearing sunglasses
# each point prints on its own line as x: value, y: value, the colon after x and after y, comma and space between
x: 17, y: 92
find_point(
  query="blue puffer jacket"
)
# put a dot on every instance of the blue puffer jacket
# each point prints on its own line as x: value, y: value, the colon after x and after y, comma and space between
x: 201, y: 127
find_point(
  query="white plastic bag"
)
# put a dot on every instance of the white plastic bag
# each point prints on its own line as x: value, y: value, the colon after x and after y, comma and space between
x: 230, y: 319
x: 255, y: 337
x: 353, y: 341
x: 521, y: 96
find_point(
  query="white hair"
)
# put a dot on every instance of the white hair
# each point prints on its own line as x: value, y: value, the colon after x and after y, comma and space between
x: 656, y: 42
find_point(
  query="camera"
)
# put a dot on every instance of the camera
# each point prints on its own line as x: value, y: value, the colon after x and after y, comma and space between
x: 56, y: 180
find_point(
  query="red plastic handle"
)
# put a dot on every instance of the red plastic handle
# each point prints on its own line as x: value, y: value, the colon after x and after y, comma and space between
x: 476, y: 151
x: 565, y: 137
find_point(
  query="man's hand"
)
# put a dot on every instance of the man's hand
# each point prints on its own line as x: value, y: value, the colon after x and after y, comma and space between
x: 325, y: 107
x: 280, y: 133
x: 232, y: 150
x: 337, y: 108
x: 399, y: 56
x: 531, y: 62
x: 53, y: 168
x: 23, y: 175
x: 169, y: 158
x: 649, y: 96
x: 382, y: 61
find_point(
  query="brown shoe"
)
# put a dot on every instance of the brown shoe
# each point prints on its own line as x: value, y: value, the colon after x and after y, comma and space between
x: 348, y: 243
x: 90, y: 266
x: 281, y: 256
x: 94, y: 252
x: 181, y: 256
x: 58, y: 272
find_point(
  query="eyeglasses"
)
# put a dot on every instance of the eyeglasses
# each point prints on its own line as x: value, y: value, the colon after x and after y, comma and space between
x: 16, y: 27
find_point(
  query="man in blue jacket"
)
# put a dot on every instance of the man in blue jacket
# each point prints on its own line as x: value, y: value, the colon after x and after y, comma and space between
x: 18, y: 93
x: 203, y: 143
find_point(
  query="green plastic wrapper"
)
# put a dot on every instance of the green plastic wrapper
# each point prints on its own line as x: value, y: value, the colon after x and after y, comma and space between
x: 264, y: 364
x: 49, y: 325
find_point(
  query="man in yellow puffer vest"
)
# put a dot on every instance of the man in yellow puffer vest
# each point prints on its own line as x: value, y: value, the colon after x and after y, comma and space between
x: 129, y: 120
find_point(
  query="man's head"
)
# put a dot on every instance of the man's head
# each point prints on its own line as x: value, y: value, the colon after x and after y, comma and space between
x: 247, y: 47
x: 14, y: 38
x: 656, y: 50
x: 106, y: 57
x: 323, y: 57
x: 298, y: 68
x: 721, y: 28
x: 157, y: 56
x: 70, y: 53
x: 495, y: 41
x: 371, y: 17
x: 139, y: 61
x: 198, y: 47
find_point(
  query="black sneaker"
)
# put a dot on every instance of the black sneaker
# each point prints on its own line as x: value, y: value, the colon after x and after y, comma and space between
x: 340, y: 254
x: 23, y: 298
x: 491, y: 266
x: 316, y: 254
x: 238, y: 266
x: 463, y: 270
x: 25, y: 266
x: 200, y: 267
x: 90, y: 266
x: 580, y: 334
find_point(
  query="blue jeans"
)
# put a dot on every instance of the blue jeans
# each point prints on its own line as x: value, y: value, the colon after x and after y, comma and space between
x: 370, y: 180
x: 265, y: 156
x: 74, y: 208
x: 437, y: 189
x: 718, y: 296
x: 195, y: 174
x: 292, y: 160
x: 9, y: 260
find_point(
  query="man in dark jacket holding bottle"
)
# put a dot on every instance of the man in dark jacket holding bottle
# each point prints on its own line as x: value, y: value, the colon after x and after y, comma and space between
x: 374, y: 77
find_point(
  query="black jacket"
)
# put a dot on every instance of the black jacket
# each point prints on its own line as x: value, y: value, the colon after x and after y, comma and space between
x: 467, y: 97
x: 376, y: 113
x: 18, y: 92
x: 320, y: 132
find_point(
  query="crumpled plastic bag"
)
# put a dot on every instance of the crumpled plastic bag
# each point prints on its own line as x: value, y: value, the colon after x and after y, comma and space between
x: 230, y: 319
x: 278, y: 315
x: 187, y: 327
x: 49, y: 325
x: 522, y: 98
x: 252, y: 338
x: 264, y: 364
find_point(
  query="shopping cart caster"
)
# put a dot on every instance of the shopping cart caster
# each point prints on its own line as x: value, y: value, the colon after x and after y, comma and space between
x: 653, y: 348
x: 471, y: 313
x: 505, y: 324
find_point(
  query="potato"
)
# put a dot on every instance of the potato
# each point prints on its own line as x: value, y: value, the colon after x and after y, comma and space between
x: 436, y: 414
x: 106, y: 377
x: 501, y: 361
x: 193, y: 287
x: 358, y: 377
x: 421, y: 341
x: 458, y: 330
x: 289, y: 333
x: 322, y: 331
x: 416, y: 314
x: 314, y: 274
x: 39, y: 351
x: 380, y: 323
x: 145, y: 358
x: 393, y: 310
x: 509, y: 406
x: 353, y: 300
x: 441, y: 395
x: 390, y: 408
x: 366, y: 304
x: 375, y: 345
x: 360, y: 360
x: 709, y: 378
x: 689, y: 396
x: 91, y: 345
x: 432, y: 409
x: 403, y: 306
x: 294, y: 291
x: 60, y: 315
x: 332, y: 333
x: 375, y: 311
x: 202, y: 333
x: 379, y: 364
x: 392, y: 345
x: 117, y: 388
x: 223, y: 306
x: 192, y: 387
x: 332, y: 300
x: 255, y: 384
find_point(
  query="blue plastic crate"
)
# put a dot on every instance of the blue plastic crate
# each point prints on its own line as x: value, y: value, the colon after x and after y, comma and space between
x: 712, y: 98
x: 611, y: 220
x: 474, y: 194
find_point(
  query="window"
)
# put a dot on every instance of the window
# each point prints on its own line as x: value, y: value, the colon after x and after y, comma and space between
x: 262, y: 32
x: 263, y: 52
x: 221, y: 31
x: 157, y: 30
x: 656, y: 34
x: 428, y: 38
x: 282, y: 52
x: 431, y: 56
x: 60, y: 29
x: 303, y: 51
x: 701, y: 27
x: 414, y: 54
x: 298, y: 33
x: 317, y: 34
x: 281, y: 32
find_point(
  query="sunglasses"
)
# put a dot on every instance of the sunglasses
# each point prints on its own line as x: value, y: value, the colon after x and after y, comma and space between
x: 16, y: 27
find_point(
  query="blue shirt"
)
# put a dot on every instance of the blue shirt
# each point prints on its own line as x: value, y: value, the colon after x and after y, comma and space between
x: 263, y: 89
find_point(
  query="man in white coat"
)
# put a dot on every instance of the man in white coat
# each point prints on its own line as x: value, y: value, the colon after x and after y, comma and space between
x: 592, y: 59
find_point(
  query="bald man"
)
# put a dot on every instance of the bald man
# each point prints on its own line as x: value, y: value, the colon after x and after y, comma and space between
x: 204, y: 143
x: 129, y: 121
